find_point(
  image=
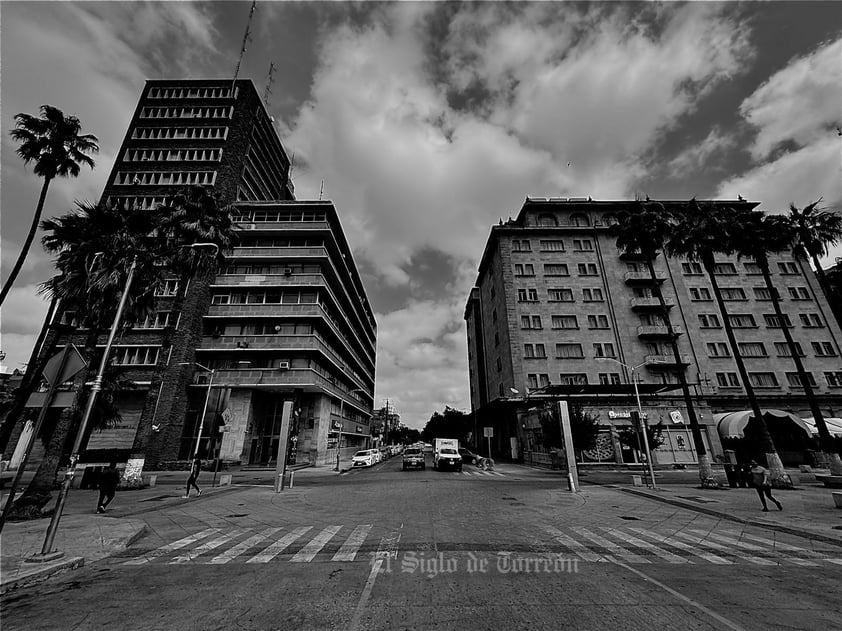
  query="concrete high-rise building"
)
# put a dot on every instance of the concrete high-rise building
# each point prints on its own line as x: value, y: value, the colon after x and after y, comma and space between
x: 557, y: 311
x: 287, y: 318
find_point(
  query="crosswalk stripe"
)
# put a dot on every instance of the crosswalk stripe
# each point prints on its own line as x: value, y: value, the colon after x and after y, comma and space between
x: 788, y: 548
x: 241, y: 547
x: 574, y: 546
x: 349, y: 549
x: 279, y: 546
x: 710, y: 544
x: 171, y: 547
x: 624, y: 554
x: 318, y: 542
x: 667, y: 556
x: 707, y: 556
x: 734, y: 541
x: 205, y: 547
x: 388, y: 547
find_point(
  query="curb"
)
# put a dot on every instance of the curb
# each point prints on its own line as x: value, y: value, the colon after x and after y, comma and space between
x: 728, y: 516
x: 38, y: 576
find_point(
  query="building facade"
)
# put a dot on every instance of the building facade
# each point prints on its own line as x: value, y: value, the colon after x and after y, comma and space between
x: 384, y: 423
x: 287, y: 318
x: 557, y: 308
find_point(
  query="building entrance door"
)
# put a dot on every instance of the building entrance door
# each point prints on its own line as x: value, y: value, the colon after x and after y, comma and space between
x: 266, y: 418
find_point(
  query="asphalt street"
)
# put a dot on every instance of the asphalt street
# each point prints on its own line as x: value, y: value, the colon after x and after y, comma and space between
x: 381, y: 548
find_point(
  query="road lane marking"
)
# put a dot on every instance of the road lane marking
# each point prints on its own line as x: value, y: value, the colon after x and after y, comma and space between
x: 610, y: 546
x: 205, y: 547
x: 707, y: 556
x: 788, y: 548
x: 349, y: 549
x: 387, y: 549
x: 306, y: 554
x: 574, y: 546
x: 171, y: 547
x: 710, y: 544
x: 722, y: 620
x: 241, y: 547
x: 667, y: 556
x: 279, y: 546
x: 734, y: 541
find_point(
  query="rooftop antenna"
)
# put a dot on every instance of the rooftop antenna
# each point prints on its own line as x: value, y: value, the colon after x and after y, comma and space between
x: 246, y: 38
x: 321, y: 190
x: 269, y: 84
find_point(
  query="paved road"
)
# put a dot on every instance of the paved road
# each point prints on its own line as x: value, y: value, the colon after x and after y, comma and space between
x: 386, y: 549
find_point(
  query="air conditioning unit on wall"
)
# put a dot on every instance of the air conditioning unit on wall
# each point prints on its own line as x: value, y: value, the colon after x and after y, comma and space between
x: 202, y: 379
x: 283, y: 365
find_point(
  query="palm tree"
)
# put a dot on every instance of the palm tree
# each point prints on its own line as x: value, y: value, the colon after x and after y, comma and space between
x: 815, y: 229
x: 94, y: 247
x: 192, y: 219
x: 702, y: 231
x: 645, y: 229
x: 54, y: 144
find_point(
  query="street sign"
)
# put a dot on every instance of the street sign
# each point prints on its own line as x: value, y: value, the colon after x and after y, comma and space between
x: 226, y: 416
x: 488, y: 432
x: 68, y: 366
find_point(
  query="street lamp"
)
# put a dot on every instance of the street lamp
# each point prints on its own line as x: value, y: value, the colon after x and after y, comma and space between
x: 341, y: 417
x: 207, y: 399
x: 631, y: 369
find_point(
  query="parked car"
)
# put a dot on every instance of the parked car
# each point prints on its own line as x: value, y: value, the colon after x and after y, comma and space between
x: 413, y: 457
x: 365, y: 458
x: 468, y: 456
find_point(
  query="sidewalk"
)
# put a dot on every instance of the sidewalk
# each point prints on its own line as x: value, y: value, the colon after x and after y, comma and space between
x: 85, y: 536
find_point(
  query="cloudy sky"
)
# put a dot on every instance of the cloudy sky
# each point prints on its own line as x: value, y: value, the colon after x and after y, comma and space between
x: 428, y: 122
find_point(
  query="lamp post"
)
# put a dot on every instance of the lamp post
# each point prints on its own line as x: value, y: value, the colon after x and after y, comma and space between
x: 83, y: 424
x: 631, y: 369
x: 207, y: 399
x: 341, y: 417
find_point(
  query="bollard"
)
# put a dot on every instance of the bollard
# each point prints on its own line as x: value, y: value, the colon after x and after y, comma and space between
x: 291, y: 478
x: 637, y: 480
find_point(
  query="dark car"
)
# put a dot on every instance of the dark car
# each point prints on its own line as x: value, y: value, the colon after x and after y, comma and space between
x: 413, y: 457
x: 468, y: 456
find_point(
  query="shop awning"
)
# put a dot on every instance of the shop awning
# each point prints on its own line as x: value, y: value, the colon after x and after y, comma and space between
x: 733, y: 424
x: 834, y: 425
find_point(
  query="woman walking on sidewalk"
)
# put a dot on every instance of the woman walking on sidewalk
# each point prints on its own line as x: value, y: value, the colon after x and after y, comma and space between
x: 763, y: 484
x: 195, y: 468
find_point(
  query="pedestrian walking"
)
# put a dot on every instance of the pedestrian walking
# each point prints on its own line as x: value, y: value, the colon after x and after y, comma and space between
x: 763, y: 484
x: 108, y: 481
x: 195, y: 468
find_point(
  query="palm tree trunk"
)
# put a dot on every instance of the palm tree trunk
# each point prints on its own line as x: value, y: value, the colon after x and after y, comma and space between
x: 34, y: 367
x: 779, y: 477
x: 33, y: 228
x: 825, y: 439
x: 706, y: 478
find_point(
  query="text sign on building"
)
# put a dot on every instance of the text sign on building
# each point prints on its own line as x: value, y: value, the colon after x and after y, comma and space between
x: 488, y: 432
x: 676, y: 417
x: 613, y: 414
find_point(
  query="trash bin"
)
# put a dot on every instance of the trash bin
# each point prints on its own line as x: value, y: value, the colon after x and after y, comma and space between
x: 555, y: 461
x: 731, y: 475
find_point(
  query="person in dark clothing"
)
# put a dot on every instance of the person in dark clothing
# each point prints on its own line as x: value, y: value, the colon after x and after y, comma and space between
x: 763, y: 484
x: 195, y: 468
x: 108, y: 481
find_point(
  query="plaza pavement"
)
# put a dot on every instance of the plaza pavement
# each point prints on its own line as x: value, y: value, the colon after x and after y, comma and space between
x: 84, y: 536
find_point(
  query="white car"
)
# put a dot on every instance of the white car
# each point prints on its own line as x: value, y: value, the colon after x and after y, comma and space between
x: 365, y: 458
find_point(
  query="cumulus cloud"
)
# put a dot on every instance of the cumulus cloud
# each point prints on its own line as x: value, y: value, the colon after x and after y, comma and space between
x: 698, y: 155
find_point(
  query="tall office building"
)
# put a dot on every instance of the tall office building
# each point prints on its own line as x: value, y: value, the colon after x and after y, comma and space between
x: 557, y: 309
x: 287, y: 318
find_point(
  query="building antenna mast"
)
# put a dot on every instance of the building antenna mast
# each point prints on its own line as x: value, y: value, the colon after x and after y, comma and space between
x: 246, y: 38
x: 321, y: 190
x: 269, y: 84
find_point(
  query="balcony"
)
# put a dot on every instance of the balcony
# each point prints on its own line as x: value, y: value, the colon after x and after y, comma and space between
x: 635, y: 256
x: 666, y: 361
x: 240, y: 252
x: 643, y: 278
x: 649, y: 304
x: 268, y: 280
x: 657, y: 330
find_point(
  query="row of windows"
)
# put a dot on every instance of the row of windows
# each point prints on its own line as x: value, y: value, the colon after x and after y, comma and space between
x: 279, y: 242
x: 180, y: 133
x: 703, y: 294
x: 162, y: 178
x: 256, y: 297
x: 263, y: 328
x: 191, y: 93
x: 272, y: 269
x: 136, y: 201
x: 564, y: 322
x: 556, y: 269
x: 186, y: 112
x: 569, y: 351
x: 183, y: 155
x: 786, y: 268
x: 552, y: 245
x: 256, y: 216
x: 561, y: 294
x: 136, y: 355
x: 758, y: 349
x: 711, y: 321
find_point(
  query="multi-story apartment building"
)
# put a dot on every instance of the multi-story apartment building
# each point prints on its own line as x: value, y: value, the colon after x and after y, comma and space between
x: 557, y: 308
x: 286, y: 318
x: 384, y: 422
